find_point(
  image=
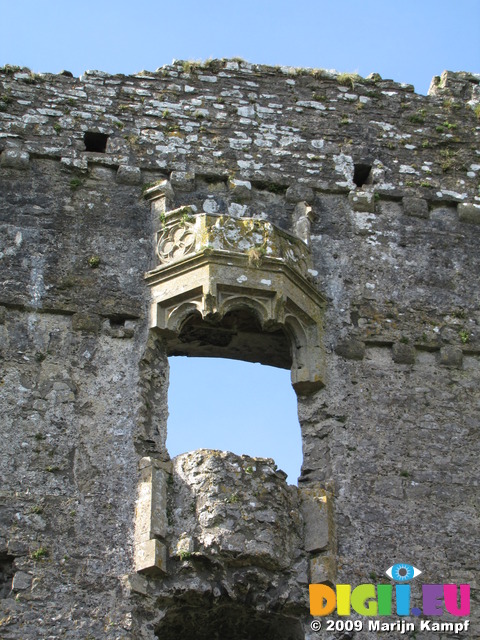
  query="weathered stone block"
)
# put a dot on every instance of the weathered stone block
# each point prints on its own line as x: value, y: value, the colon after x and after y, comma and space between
x: 302, y: 221
x: 314, y: 510
x: 351, y: 349
x: 151, y: 510
x: 299, y: 192
x: 183, y: 180
x: 87, y: 322
x: 17, y: 547
x: 129, y: 175
x: 240, y: 189
x: 234, y: 510
x: 151, y: 557
x: 322, y: 569
x: 161, y: 196
x: 21, y: 581
x: 185, y: 545
x: 417, y: 207
x: 469, y: 212
x: 137, y: 583
x: 120, y: 331
x: 362, y: 201
x: 403, y: 353
x: 14, y: 158
x: 451, y: 356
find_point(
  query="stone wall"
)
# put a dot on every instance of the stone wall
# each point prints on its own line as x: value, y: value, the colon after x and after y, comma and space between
x: 390, y: 443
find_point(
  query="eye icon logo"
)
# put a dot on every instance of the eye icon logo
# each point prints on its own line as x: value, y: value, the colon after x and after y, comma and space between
x: 402, y: 572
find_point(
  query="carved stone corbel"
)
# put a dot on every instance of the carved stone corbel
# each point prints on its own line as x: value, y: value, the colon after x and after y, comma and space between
x: 210, y: 266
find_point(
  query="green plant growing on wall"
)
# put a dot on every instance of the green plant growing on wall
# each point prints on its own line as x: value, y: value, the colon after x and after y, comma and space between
x: 449, y: 159
x: 190, y: 66
x: 37, y: 509
x: 10, y: 69
x: 75, y: 183
x: 348, y: 79
x: 40, y: 553
x: 6, y: 97
x: 33, y: 78
x: 464, y: 336
x: 93, y: 262
x: 419, y: 117
x: 255, y: 255
x: 186, y: 217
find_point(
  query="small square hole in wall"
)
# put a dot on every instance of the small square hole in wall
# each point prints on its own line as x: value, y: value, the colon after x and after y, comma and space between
x: 361, y: 174
x: 6, y: 574
x: 94, y: 141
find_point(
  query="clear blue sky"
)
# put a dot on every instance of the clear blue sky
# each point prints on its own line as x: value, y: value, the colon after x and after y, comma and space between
x: 406, y: 40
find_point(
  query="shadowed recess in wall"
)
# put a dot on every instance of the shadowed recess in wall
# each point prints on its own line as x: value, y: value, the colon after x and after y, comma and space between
x: 6, y: 574
x: 238, y: 335
x: 228, y: 620
x: 234, y: 406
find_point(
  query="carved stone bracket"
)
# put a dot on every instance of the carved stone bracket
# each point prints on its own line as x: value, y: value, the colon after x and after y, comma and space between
x: 211, y: 265
x: 151, y: 517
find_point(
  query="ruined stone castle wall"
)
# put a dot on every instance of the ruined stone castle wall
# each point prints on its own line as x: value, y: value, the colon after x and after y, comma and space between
x: 390, y: 470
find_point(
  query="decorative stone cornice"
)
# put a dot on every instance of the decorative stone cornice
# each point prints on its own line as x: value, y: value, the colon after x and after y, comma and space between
x: 183, y: 233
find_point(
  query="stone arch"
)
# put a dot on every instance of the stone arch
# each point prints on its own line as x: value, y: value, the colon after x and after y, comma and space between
x: 181, y: 314
x: 237, y: 332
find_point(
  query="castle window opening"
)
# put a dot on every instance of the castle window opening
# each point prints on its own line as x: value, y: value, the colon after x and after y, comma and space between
x: 96, y: 142
x: 361, y: 174
x: 230, y: 405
